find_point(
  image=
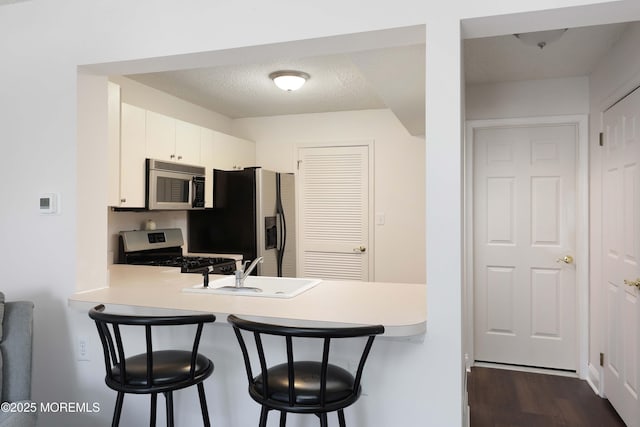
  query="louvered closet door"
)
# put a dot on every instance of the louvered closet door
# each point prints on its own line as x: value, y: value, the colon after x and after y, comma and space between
x: 334, y: 212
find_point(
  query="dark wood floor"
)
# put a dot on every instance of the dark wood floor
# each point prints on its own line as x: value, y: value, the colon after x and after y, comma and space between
x: 504, y: 398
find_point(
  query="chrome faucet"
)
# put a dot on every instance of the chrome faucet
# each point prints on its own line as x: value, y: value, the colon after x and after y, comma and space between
x: 244, y: 271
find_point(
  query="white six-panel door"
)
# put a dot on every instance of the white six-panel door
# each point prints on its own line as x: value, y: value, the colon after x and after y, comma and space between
x: 621, y: 256
x: 524, y: 212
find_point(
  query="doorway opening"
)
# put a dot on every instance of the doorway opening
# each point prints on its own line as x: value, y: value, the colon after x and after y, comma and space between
x: 526, y: 223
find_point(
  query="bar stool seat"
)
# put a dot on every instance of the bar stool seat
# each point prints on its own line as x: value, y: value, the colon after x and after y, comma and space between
x: 155, y: 371
x: 340, y: 383
x: 170, y: 367
x: 302, y: 386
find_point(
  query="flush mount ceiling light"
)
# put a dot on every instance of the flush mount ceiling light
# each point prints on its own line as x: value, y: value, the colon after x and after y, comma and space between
x: 541, y: 38
x: 289, y: 80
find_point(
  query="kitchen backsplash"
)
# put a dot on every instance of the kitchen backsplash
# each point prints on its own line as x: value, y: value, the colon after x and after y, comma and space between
x: 120, y: 221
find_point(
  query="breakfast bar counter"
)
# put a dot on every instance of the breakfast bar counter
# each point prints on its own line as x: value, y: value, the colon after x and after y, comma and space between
x: 400, y: 307
x: 395, y: 362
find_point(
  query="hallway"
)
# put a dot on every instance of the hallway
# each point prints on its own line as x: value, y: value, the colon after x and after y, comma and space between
x: 499, y: 397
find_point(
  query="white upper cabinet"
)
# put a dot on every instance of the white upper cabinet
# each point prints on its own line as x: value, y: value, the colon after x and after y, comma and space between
x: 113, y: 138
x: 230, y: 152
x: 136, y: 134
x: 172, y: 140
x: 239, y: 153
x: 132, y: 157
x: 160, y: 136
x: 207, y: 155
x: 221, y: 151
x: 188, y: 142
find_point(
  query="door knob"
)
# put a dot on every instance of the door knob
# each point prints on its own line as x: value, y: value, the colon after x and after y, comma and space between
x: 635, y: 283
x: 567, y: 259
x: 359, y: 249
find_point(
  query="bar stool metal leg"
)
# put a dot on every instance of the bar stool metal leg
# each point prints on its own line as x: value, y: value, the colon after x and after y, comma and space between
x: 323, y: 419
x: 283, y: 419
x: 169, y: 400
x: 263, y: 416
x: 341, y: 418
x: 154, y: 406
x: 203, y: 406
x: 117, y: 410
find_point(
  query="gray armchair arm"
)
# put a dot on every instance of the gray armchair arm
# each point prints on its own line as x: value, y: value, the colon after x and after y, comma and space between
x: 18, y: 419
x: 16, y: 349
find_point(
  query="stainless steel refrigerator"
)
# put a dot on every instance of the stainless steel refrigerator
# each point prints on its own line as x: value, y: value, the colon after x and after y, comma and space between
x: 254, y: 215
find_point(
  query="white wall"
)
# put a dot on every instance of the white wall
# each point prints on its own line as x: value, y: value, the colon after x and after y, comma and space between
x: 42, y: 43
x: 399, y: 181
x: 531, y: 98
x: 615, y: 75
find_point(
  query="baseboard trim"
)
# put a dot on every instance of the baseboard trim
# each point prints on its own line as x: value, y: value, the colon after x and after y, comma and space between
x: 569, y: 374
x: 593, y: 379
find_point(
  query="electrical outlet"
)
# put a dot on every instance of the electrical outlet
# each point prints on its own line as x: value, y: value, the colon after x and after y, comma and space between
x: 83, y: 349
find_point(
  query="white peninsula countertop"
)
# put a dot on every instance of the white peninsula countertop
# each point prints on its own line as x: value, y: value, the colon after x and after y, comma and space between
x: 400, y: 307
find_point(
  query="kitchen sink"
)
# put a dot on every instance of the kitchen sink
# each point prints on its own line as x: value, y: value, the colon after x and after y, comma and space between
x: 257, y: 286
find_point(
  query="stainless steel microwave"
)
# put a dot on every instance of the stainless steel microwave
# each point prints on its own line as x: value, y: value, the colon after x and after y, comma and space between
x: 171, y: 186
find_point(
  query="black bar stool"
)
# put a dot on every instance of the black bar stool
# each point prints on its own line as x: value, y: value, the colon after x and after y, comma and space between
x: 302, y: 386
x: 153, y: 372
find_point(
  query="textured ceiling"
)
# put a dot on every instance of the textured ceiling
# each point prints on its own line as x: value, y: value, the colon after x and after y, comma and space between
x: 362, y: 80
x: 505, y: 58
x: 336, y: 84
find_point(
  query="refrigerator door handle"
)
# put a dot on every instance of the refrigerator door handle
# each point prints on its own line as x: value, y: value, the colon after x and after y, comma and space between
x: 279, y: 238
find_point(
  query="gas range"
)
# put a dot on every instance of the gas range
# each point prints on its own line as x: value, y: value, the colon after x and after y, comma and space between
x: 164, y: 248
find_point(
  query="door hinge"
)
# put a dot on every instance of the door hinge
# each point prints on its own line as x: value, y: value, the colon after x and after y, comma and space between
x: 601, y: 359
x: 601, y: 139
x: 299, y: 161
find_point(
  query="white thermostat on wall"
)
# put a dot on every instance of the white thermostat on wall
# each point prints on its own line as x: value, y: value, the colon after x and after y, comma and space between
x: 49, y: 203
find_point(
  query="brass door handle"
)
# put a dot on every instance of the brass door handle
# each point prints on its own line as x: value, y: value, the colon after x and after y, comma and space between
x: 635, y: 283
x: 567, y: 259
x: 360, y: 249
